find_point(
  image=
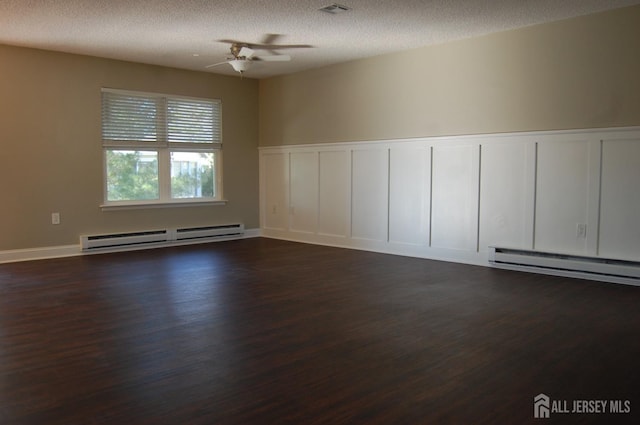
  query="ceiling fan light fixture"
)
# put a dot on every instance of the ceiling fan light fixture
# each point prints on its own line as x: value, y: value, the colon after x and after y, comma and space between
x: 335, y: 8
x: 240, y: 65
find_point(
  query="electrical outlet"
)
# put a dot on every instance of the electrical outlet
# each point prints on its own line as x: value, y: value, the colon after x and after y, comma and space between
x: 581, y: 230
x: 55, y: 218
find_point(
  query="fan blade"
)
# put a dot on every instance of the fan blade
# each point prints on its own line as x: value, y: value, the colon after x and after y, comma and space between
x: 274, y: 47
x: 288, y: 46
x: 216, y: 64
x: 232, y: 42
x: 270, y: 38
x: 273, y: 58
x: 246, y: 52
x: 266, y: 44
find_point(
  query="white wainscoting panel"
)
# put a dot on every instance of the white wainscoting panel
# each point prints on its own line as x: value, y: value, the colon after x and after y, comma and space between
x: 454, y: 201
x: 335, y: 193
x: 369, y: 193
x: 303, y: 208
x: 449, y: 198
x: 507, y: 181
x: 620, y: 202
x: 409, y: 194
x: 275, y: 204
x: 562, y: 195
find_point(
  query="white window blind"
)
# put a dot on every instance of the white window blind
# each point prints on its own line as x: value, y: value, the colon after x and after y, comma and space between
x: 133, y: 117
x: 128, y: 117
x: 193, y: 121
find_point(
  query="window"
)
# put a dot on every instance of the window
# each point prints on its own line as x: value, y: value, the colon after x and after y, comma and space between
x: 160, y: 149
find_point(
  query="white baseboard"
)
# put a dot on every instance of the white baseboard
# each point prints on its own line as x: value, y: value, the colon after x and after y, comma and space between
x: 43, y: 253
x: 405, y: 250
x: 252, y: 233
x: 479, y: 258
x: 15, y: 255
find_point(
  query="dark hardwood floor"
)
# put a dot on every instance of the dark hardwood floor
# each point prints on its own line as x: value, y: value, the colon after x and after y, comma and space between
x: 262, y: 331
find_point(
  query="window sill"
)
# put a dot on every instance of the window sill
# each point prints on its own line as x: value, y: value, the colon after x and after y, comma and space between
x: 147, y: 205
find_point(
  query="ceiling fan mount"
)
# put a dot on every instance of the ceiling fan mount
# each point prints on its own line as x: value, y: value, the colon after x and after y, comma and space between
x: 237, y: 52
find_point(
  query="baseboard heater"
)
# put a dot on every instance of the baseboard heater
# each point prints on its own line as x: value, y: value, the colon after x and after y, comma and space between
x: 161, y: 237
x: 593, y: 268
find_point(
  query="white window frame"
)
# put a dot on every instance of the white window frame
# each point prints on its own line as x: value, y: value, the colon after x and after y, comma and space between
x: 164, y: 148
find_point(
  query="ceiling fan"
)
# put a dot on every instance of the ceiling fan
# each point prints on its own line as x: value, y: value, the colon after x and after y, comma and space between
x: 243, y: 53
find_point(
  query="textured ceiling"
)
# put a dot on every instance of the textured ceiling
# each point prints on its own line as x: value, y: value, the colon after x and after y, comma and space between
x: 184, y: 33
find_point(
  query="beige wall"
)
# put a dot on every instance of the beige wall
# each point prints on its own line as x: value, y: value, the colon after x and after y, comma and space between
x: 51, y: 157
x: 578, y: 73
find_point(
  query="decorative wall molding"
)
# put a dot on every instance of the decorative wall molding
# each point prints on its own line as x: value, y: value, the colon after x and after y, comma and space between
x: 450, y: 198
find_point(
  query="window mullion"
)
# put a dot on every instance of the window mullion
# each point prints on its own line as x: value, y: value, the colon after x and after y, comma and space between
x: 164, y: 158
x: 164, y: 174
